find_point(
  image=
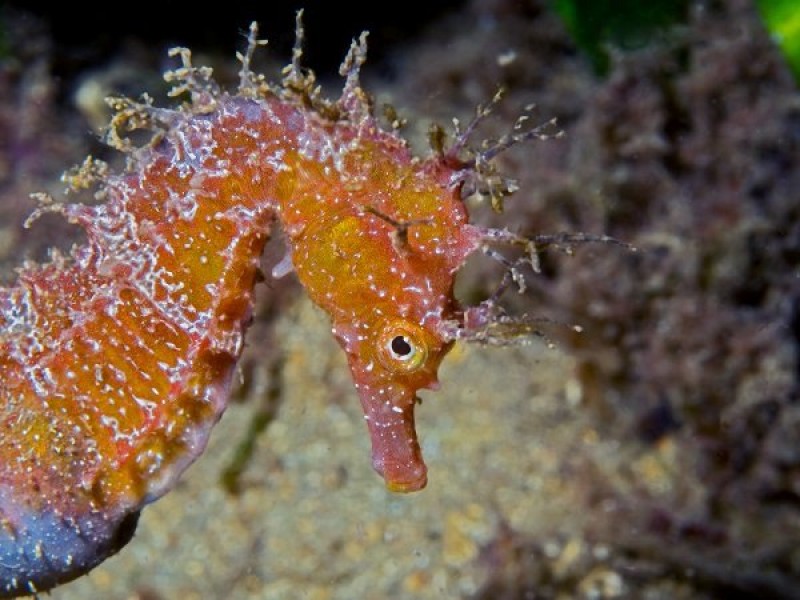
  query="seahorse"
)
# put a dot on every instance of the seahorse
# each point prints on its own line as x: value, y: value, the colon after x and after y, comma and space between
x: 117, y: 360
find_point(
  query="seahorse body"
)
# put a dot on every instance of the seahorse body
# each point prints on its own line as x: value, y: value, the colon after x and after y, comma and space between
x: 116, y: 361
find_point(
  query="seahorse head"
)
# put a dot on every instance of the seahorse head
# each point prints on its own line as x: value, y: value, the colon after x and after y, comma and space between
x: 400, y: 252
x: 380, y: 254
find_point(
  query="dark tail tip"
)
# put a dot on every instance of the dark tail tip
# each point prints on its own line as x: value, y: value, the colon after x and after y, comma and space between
x: 42, y: 551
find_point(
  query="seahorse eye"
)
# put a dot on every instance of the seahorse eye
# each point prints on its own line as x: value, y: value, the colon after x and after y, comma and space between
x: 402, y: 346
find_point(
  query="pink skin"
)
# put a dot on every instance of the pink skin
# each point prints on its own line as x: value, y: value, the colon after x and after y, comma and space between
x: 396, y: 454
x: 388, y: 393
x: 393, y: 353
x: 388, y: 401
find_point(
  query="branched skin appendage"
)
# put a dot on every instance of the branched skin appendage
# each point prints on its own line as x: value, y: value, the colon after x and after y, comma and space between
x: 116, y: 361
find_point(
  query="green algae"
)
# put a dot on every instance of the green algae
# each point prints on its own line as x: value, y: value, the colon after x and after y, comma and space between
x: 782, y: 19
x: 597, y: 26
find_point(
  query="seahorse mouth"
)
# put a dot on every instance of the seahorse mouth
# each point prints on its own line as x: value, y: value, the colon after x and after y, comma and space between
x: 398, y: 480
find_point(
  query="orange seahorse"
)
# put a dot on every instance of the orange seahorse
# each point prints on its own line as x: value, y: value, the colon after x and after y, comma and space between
x: 116, y: 361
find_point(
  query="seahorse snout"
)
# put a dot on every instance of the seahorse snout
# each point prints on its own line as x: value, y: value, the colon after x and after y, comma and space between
x: 396, y: 454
